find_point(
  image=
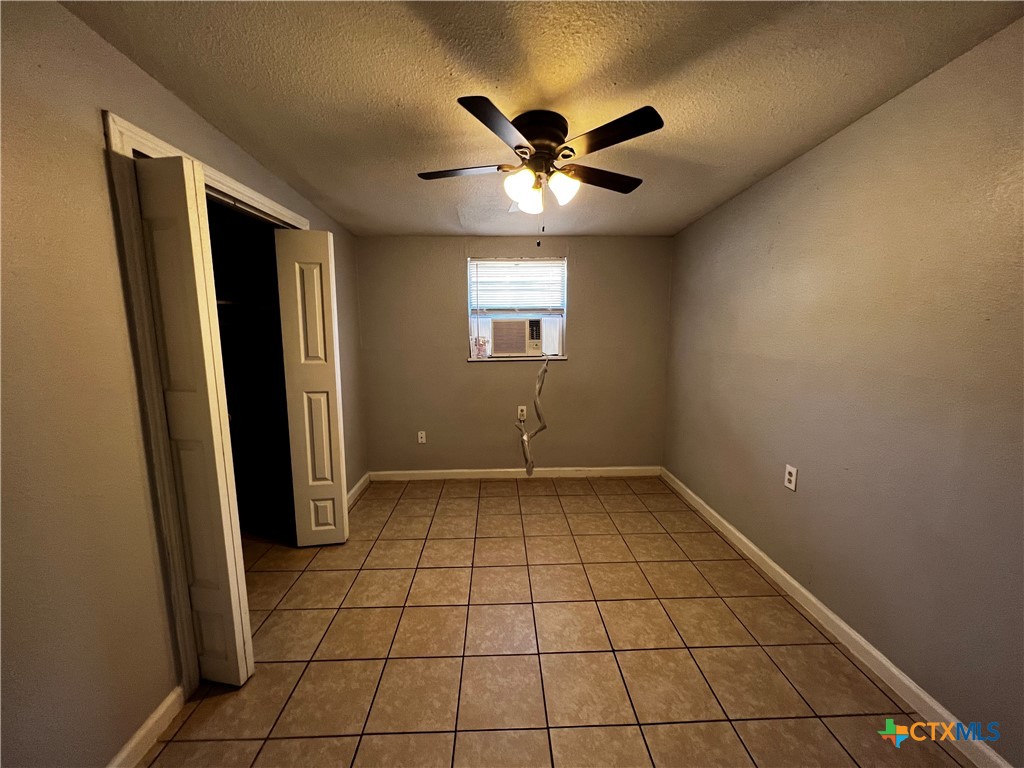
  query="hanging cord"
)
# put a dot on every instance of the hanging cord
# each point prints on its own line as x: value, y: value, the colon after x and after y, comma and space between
x: 526, y: 437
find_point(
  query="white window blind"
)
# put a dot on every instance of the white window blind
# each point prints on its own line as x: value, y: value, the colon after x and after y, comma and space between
x: 535, y: 284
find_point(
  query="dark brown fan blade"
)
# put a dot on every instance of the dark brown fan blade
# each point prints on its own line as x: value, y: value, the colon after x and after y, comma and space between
x: 636, y: 123
x: 617, y: 182
x: 464, y: 171
x: 484, y: 110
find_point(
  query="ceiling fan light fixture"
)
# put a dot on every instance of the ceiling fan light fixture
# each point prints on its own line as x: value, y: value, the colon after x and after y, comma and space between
x: 518, y: 185
x: 563, y: 186
x: 532, y: 201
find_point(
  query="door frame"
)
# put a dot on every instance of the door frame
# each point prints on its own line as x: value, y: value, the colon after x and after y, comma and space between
x: 125, y: 143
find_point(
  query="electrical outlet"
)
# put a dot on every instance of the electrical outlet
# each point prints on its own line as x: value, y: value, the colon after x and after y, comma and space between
x: 421, y: 437
x: 521, y: 413
x: 790, y: 479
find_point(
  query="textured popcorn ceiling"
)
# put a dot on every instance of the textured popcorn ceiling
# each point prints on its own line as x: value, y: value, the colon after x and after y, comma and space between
x: 348, y: 101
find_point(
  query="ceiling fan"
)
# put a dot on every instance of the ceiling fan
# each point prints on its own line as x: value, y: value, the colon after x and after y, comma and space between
x: 538, y: 137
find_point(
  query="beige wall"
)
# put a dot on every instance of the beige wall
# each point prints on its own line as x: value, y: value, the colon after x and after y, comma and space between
x: 603, y: 405
x: 86, y: 652
x: 858, y: 315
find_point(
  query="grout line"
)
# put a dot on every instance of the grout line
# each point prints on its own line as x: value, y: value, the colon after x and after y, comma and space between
x: 540, y: 667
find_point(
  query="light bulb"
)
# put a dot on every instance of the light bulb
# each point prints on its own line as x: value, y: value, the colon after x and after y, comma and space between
x: 518, y: 184
x: 563, y: 186
x: 532, y: 201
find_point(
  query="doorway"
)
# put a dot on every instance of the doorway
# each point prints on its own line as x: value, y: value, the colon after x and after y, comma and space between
x: 249, y: 318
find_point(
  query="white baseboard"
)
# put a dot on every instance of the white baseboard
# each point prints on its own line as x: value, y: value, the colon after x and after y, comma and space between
x: 978, y: 752
x: 357, y: 490
x: 508, y: 474
x: 138, y: 745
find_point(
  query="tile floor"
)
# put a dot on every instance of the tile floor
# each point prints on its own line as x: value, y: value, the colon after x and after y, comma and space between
x: 566, y: 622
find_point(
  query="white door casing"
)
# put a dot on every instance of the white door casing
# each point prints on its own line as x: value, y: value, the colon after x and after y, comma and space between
x: 172, y: 197
x: 306, y: 279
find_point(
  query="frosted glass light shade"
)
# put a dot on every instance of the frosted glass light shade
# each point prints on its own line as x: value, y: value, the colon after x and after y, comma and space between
x: 532, y: 201
x: 518, y: 184
x: 563, y: 186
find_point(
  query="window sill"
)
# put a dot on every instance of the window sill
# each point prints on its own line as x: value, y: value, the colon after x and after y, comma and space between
x: 515, y: 359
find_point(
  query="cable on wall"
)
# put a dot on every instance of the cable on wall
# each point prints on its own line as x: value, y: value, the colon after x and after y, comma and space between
x: 525, y: 436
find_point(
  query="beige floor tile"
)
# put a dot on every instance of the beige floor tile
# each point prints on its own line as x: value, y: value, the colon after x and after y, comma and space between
x: 636, y: 522
x: 447, y: 553
x: 663, y: 502
x: 585, y: 689
x: 362, y: 529
x: 502, y: 749
x: 667, y: 686
x: 707, y: 622
x: 248, y: 712
x: 279, y: 558
x: 290, y: 635
x: 559, y: 582
x: 540, y: 505
x: 498, y: 488
x: 608, y: 486
x: 570, y: 627
x: 828, y: 680
x: 414, y: 507
x: 460, y: 488
x: 407, y: 750
x: 573, y: 486
x: 453, y: 527
x: 621, y: 746
x: 440, y: 586
x: 603, y: 548
x: 331, y: 699
x: 787, y: 743
x: 500, y: 692
x: 416, y: 695
x: 587, y: 523
x: 347, y: 556
x: 256, y: 619
x: 706, y: 546
x: 681, y: 521
x: 639, y: 624
x: 653, y: 546
x: 375, y: 589
x: 545, y: 525
x: 423, y: 489
x: 504, y: 551
x: 549, y: 550
x: 734, y: 578
x: 773, y: 621
x: 647, y: 485
x: 368, y: 507
x: 535, y: 486
x: 707, y: 745
x: 319, y: 589
x: 253, y: 550
x: 618, y: 581
x: 406, y: 528
x: 266, y: 588
x: 500, y: 584
x: 360, y: 633
x: 385, y: 489
x: 394, y: 554
x: 620, y: 503
x: 581, y: 505
x: 748, y: 684
x: 676, y: 579
x: 500, y: 629
x: 183, y: 714
x: 868, y: 672
x: 860, y: 737
x: 499, y: 505
x: 307, y: 753
x: 200, y: 754
x: 431, y: 631
x: 491, y: 526
x: 456, y: 506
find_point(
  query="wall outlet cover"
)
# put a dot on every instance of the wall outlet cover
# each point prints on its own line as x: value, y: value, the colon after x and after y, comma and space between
x: 790, y: 478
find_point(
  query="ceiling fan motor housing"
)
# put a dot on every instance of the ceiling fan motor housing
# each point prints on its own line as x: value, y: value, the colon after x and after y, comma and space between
x: 546, y: 131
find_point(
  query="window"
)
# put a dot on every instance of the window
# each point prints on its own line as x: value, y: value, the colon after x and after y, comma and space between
x: 516, y: 308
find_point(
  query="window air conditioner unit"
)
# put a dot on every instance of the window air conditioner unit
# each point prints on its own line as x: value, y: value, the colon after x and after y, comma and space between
x: 516, y: 338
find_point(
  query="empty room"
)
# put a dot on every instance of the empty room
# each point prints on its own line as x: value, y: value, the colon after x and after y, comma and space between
x: 512, y: 384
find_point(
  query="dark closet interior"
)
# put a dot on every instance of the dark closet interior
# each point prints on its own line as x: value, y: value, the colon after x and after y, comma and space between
x: 249, y: 315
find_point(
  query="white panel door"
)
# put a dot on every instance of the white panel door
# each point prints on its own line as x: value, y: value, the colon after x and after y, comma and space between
x: 312, y: 374
x: 172, y: 196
